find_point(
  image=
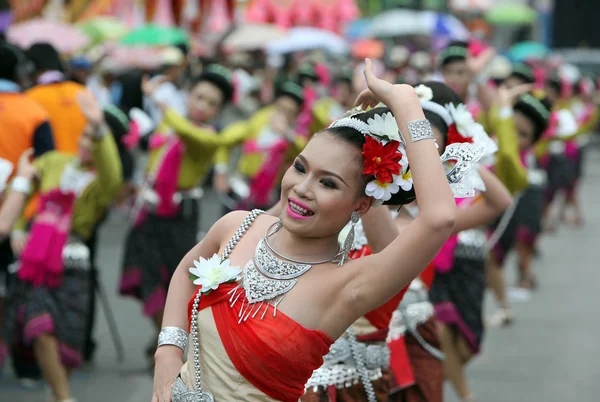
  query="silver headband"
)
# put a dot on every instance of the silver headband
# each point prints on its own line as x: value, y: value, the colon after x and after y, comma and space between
x: 354, y: 123
x: 438, y: 110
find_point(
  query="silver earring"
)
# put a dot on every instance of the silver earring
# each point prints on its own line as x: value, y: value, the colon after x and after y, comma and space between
x: 349, y: 242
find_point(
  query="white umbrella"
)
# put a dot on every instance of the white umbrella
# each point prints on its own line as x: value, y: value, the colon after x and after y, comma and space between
x: 398, y: 23
x: 253, y: 36
x: 410, y: 22
x: 304, y: 38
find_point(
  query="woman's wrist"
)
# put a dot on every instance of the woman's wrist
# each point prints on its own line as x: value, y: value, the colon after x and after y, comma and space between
x: 168, y: 352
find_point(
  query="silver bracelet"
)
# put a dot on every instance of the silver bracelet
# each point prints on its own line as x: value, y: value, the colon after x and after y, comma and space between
x: 21, y: 185
x: 173, y: 336
x: 420, y: 130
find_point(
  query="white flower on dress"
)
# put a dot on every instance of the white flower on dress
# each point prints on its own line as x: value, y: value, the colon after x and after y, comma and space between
x: 424, y: 93
x: 462, y: 119
x: 384, y: 126
x: 381, y: 191
x: 212, y: 272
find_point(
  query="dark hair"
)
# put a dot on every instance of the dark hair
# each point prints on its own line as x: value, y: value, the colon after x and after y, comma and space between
x: 218, y: 76
x: 537, y: 110
x: 442, y: 95
x: 118, y: 124
x: 45, y: 58
x: 357, y: 139
x: 291, y: 90
x: 307, y: 71
x: 132, y: 95
x: 555, y: 84
x: 522, y: 72
x: 455, y: 51
x: 9, y: 62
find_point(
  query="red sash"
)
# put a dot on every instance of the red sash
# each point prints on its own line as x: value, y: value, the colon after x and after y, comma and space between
x: 275, y: 354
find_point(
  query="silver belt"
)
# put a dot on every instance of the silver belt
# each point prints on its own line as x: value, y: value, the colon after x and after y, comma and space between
x: 76, y: 255
x: 409, y: 316
x: 341, y: 369
x: 471, y: 245
x: 338, y: 375
x: 151, y: 199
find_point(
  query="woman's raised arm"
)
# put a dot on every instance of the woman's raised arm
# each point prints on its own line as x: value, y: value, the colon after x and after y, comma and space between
x: 375, y: 279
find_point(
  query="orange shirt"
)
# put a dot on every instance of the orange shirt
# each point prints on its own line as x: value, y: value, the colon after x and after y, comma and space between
x: 66, y: 119
x: 19, y: 119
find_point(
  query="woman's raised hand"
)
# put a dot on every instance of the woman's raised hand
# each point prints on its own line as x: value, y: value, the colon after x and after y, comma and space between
x: 378, y: 90
x: 90, y: 109
x: 507, y: 97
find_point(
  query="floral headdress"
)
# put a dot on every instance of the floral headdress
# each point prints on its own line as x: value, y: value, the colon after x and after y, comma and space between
x: 462, y: 129
x: 384, y: 156
x: 461, y: 125
x: 383, y: 153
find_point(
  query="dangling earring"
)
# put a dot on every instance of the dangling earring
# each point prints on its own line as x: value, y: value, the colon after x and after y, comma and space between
x: 349, y: 242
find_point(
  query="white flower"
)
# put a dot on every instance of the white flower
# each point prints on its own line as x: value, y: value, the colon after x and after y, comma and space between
x: 381, y: 191
x: 424, y: 93
x: 405, y: 181
x: 384, y: 126
x: 462, y: 118
x: 212, y: 272
x: 481, y: 138
x: 403, y: 162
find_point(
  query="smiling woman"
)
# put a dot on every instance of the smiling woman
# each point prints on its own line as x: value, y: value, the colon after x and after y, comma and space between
x: 261, y: 337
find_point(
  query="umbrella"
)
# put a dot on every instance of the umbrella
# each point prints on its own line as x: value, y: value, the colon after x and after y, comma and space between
x: 65, y: 38
x: 527, y: 51
x: 410, y: 22
x: 397, y: 23
x: 445, y: 25
x: 253, y: 37
x: 304, y: 38
x: 511, y: 14
x: 155, y: 35
x: 133, y: 56
x: 357, y: 29
x: 104, y: 28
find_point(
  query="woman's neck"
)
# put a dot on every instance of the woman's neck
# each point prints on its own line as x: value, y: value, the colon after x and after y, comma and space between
x: 304, y: 248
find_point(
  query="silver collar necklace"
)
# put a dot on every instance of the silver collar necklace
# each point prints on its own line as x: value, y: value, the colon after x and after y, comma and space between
x: 269, y: 276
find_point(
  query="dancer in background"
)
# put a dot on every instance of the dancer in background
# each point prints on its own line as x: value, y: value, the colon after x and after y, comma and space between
x: 522, y: 121
x: 586, y: 114
x: 47, y: 303
x: 167, y: 212
x: 270, y: 142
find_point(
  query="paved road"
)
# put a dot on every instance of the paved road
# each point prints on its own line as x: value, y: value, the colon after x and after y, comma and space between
x: 549, y: 355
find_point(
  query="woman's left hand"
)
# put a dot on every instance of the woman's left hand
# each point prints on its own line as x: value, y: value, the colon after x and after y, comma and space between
x: 380, y: 90
x: 90, y: 109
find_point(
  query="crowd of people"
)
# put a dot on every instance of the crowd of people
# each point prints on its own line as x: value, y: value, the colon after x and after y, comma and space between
x: 419, y: 177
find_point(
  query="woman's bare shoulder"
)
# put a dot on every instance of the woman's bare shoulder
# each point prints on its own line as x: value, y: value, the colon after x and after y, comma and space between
x: 231, y: 222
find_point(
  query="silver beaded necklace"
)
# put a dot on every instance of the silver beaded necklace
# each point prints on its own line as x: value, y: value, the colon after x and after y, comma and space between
x: 269, y: 276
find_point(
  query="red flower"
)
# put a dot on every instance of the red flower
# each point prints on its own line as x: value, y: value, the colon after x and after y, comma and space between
x: 454, y: 137
x: 381, y: 160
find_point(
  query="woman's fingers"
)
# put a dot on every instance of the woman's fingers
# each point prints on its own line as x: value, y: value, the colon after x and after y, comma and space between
x: 369, y: 74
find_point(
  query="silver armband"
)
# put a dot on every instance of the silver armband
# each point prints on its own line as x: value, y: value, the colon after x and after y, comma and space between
x: 420, y: 130
x: 173, y: 336
x: 21, y: 184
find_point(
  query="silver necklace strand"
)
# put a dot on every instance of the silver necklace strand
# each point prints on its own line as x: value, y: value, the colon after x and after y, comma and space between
x: 199, y: 395
x: 359, y: 358
x: 276, y: 226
